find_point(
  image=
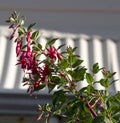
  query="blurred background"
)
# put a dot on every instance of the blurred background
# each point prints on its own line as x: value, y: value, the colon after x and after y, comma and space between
x: 93, y: 26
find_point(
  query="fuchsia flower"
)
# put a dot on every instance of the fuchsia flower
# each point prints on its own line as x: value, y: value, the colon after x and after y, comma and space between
x: 27, y: 60
x: 18, y: 46
x: 53, y: 53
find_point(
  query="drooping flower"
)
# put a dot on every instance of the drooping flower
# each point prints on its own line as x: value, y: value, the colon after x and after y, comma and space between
x: 53, y: 53
x: 27, y: 60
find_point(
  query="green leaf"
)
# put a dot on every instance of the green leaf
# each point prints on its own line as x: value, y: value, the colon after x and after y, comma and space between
x: 21, y: 21
x: 77, y: 63
x: 51, y: 87
x: 39, y: 46
x: 12, y: 19
x: 35, y: 35
x: 105, y: 82
x: 51, y: 42
x: 24, y: 46
x: 78, y: 74
x: 71, y: 58
x: 90, y: 89
x: 55, y: 79
x: 30, y: 26
x: 35, y: 48
x: 95, y: 68
x: 59, y: 98
x: 63, y: 64
x: 21, y: 31
x: 60, y: 46
x: 89, y: 78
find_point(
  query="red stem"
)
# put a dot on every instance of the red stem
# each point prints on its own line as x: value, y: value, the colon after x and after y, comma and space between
x: 91, y: 109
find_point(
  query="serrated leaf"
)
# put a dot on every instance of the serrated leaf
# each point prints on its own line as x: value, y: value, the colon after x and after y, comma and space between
x: 89, y: 78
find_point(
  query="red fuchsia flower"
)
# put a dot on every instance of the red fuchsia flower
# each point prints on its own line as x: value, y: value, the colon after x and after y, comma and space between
x: 18, y: 46
x: 27, y: 60
x: 53, y: 53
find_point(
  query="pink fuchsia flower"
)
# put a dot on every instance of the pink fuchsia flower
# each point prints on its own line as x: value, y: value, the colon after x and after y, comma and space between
x: 27, y: 60
x: 53, y: 53
x: 28, y: 40
x: 18, y: 46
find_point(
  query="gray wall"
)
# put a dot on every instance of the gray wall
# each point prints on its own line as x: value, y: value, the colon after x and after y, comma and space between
x: 92, y: 17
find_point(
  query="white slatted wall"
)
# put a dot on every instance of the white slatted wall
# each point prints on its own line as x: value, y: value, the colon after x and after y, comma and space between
x: 91, y: 49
